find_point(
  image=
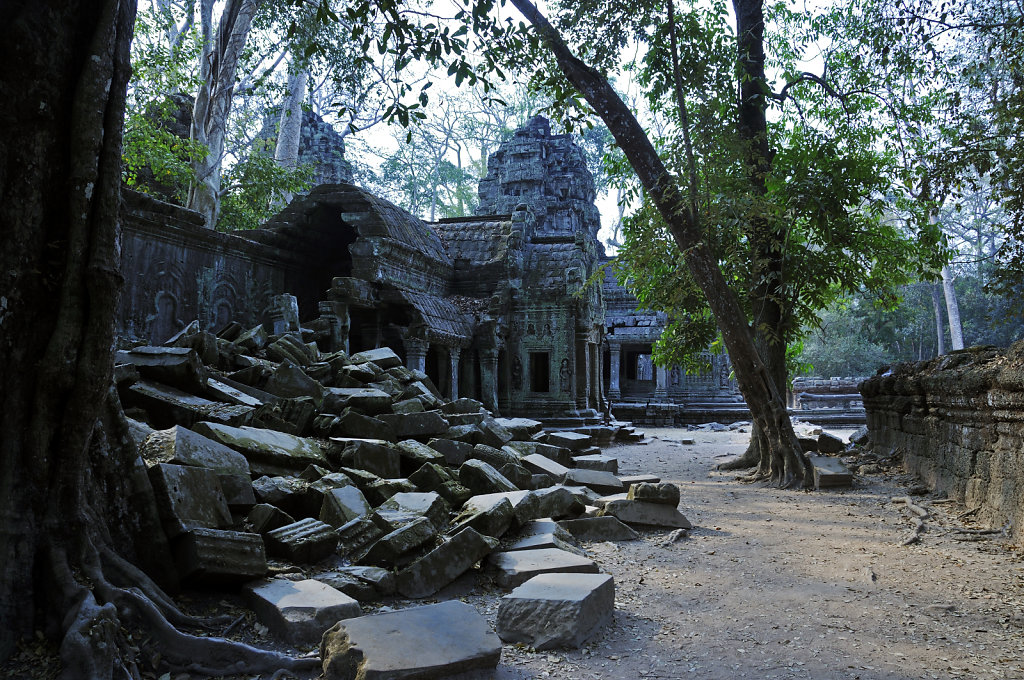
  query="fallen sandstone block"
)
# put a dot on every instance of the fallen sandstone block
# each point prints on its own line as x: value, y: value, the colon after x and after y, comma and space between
x: 298, y: 611
x: 556, y: 610
x: 516, y: 567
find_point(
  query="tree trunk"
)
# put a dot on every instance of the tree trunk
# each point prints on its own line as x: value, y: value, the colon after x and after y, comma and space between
x: 289, y: 131
x: 759, y: 390
x: 70, y: 507
x: 940, y: 330
x: 218, y: 63
x: 956, y: 331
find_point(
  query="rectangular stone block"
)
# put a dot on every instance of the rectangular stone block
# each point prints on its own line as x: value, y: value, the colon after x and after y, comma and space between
x: 188, y: 498
x: 218, y: 557
x: 514, y: 568
x: 444, y: 564
x: 551, y: 611
x: 308, y: 540
x: 299, y: 612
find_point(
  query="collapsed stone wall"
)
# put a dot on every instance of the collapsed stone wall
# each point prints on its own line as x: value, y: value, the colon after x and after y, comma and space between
x: 958, y: 421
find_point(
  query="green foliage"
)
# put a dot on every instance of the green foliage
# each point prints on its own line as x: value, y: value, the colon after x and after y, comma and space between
x: 157, y: 154
x: 253, y: 190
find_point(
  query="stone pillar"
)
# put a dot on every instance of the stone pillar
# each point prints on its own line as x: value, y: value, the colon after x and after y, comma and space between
x: 416, y: 354
x: 595, y: 375
x: 335, y: 314
x: 489, y: 378
x: 613, y: 379
x: 588, y: 388
x: 661, y: 380
x: 453, y: 370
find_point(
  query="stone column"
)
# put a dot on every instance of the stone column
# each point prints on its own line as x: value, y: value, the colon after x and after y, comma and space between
x: 613, y: 379
x: 595, y: 375
x: 416, y: 354
x: 453, y: 370
x: 335, y: 314
x: 661, y: 380
x: 588, y: 388
x: 489, y: 378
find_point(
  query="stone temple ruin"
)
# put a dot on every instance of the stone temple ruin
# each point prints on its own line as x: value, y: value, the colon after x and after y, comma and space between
x: 496, y: 306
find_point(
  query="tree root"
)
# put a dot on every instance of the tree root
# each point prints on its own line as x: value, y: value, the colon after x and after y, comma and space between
x: 747, y: 460
x: 95, y: 644
x: 919, y: 525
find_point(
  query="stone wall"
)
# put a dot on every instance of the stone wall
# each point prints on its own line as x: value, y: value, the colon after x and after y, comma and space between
x: 176, y: 271
x: 958, y: 421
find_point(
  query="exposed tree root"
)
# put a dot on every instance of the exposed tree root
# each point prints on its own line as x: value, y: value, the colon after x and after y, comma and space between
x: 95, y: 645
x: 746, y: 461
x: 919, y: 525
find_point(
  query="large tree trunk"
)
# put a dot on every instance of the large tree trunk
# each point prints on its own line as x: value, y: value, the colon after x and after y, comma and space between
x: 70, y: 510
x: 218, y: 64
x: 956, y: 330
x: 940, y: 330
x: 289, y: 129
x: 759, y: 390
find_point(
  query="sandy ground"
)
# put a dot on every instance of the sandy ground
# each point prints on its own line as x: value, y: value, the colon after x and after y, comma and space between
x: 792, y: 584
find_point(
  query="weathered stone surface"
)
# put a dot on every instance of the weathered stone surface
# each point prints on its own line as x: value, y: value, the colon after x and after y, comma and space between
x: 307, y: 540
x: 455, y: 453
x: 559, y: 454
x: 391, y: 547
x: 434, y: 641
x: 365, y: 584
x: 545, y: 466
x: 597, y: 462
x: 188, y: 498
x: 469, y: 434
x: 168, y: 406
x: 663, y: 493
x: 414, y: 454
x: 494, y: 457
x: 287, y: 493
x: 444, y: 564
x: 356, y: 537
x: 524, y: 505
x: 382, y: 357
x: 425, y: 504
x: 413, y: 405
x: 556, y: 610
x: 558, y: 502
x: 493, y: 519
x: 267, y: 451
x: 463, y: 405
x: 521, y: 428
x: 546, y: 535
x: 264, y: 517
x: 298, y: 611
x: 629, y: 480
x: 380, y: 459
x: 514, y: 568
x: 829, y: 443
x: 341, y: 506
x: 175, y: 366
x: 829, y: 472
x: 430, y: 477
x: 483, y: 478
x: 494, y: 433
x: 862, y: 436
x: 222, y: 391
x: 416, y: 425
x: 652, y: 514
x: 355, y: 425
x: 380, y: 490
x: 598, y: 480
x: 218, y: 557
x: 574, y: 441
x: 365, y: 399
x: 237, y: 492
x: 185, y: 447
x: 288, y: 380
x: 606, y: 528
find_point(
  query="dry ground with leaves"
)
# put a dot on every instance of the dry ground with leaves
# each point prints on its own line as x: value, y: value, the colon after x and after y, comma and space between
x: 795, y: 584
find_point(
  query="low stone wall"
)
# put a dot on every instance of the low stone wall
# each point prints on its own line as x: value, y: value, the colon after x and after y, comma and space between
x: 958, y: 421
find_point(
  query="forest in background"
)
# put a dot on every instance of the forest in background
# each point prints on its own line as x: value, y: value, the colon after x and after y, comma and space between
x: 927, y: 107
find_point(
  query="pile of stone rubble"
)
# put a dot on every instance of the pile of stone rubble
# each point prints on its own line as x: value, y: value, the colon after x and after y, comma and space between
x: 271, y: 461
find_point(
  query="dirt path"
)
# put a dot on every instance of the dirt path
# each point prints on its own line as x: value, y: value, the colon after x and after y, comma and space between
x: 792, y: 584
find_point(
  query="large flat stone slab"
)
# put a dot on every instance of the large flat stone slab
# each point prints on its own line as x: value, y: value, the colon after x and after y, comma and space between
x: 597, y: 462
x: 598, y: 480
x: 185, y: 447
x: 556, y: 610
x: 298, y: 611
x: 543, y: 465
x: 606, y: 528
x: 434, y: 641
x: 574, y: 441
x: 168, y: 406
x: 188, y: 498
x: 513, y: 568
x: 268, y: 452
x: 647, y: 514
